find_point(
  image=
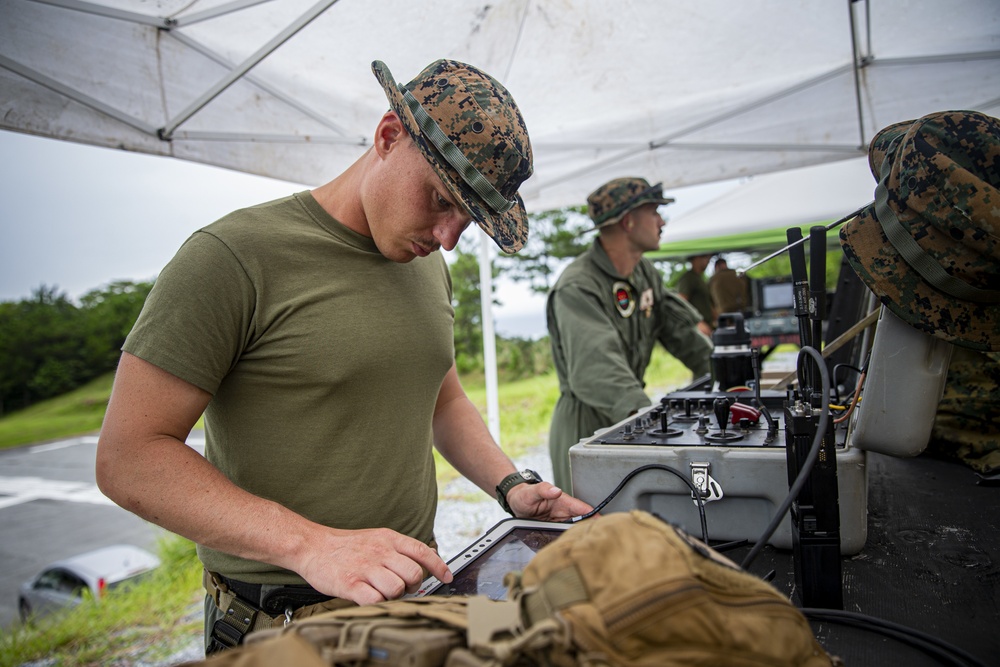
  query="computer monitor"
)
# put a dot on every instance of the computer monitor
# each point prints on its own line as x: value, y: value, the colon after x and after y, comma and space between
x: 773, y: 294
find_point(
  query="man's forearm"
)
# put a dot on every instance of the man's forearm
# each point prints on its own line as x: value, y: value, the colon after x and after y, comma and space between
x: 464, y: 440
x: 169, y: 484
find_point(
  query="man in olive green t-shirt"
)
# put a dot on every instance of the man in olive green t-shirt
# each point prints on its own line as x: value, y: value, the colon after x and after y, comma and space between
x: 315, y: 334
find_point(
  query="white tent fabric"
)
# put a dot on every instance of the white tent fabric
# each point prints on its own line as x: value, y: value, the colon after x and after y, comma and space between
x: 679, y: 92
x: 816, y: 194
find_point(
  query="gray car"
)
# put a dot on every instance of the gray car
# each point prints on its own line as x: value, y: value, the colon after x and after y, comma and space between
x: 62, y: 584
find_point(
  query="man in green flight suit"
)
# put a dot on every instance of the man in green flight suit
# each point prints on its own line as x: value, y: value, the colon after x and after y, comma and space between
x: 605, y: 314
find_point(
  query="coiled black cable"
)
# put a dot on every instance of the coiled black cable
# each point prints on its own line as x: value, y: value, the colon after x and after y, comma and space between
x: 936, y: 647
x: 653, y: 466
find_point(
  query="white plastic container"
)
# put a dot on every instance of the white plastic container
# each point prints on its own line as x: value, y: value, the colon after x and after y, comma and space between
x: 905, y: 381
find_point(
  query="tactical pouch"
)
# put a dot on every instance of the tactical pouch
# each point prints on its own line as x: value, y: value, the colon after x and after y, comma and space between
x: 632, y: 590
x: 416, y: 632
x: 420, y: 633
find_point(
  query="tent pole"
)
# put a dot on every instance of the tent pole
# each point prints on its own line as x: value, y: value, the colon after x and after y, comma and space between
x: 856, y: 61
x: 489, y: 339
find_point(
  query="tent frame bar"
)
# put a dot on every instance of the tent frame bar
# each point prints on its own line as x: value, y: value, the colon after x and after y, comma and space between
x: 146, y: 19
x: 75, y: 95
x: 215, y: 12
x: 267, y: 88
x: 667, y: 140
x: 236, y: 71
x: 236, y: 74
x: 792, y: 148
x: 195, y: 135
x: 108, y: 12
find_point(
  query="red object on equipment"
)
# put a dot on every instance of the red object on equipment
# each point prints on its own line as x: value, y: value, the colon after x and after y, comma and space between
x: 738, y: 411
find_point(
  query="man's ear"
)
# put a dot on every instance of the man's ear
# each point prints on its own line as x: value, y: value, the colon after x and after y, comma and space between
x: 627, y: 222
x: 388, y: 133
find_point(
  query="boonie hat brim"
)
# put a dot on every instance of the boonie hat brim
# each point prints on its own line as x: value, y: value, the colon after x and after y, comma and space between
x: 508, y: 229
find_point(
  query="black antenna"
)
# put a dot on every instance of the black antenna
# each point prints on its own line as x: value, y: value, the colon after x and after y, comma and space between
x: 800, y: 291
x: 817, y: 282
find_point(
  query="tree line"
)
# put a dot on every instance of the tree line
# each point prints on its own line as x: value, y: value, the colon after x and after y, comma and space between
x: 50, y: 345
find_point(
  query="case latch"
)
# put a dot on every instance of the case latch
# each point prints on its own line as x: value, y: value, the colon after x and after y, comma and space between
x: 708, y: 488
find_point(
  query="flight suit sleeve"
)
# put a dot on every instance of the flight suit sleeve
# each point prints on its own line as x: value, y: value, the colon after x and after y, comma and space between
x: 596, y: 362
x: 679, y: 333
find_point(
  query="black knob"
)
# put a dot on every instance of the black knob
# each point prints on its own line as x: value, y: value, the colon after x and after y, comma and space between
x: 721, y: 407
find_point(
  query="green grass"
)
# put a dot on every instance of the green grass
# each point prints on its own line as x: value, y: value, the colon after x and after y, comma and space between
x: 77, y: 413
x: 154, y: 613
x: 151, y: 617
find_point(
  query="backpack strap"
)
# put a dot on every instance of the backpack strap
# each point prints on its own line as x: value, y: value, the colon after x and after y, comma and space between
x: 561, y: 589
x: 239, y: 617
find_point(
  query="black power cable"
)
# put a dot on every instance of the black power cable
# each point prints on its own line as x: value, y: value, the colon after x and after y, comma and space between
x: 936, y: 647
x: 653, y: 466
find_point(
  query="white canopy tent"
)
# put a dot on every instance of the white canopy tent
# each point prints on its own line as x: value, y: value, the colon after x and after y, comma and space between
x: 678, y: 92
x: 754, y: 215
x: 675, y: 91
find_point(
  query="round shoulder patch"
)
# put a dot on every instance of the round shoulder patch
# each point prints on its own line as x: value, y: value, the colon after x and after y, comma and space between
x: 624, y: 300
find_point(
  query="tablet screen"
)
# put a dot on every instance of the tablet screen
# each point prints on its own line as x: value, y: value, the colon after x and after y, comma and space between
x: 484, y: 573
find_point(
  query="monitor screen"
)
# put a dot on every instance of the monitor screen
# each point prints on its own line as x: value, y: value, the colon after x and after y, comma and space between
x: 777, y: 296
x: 484, y: 573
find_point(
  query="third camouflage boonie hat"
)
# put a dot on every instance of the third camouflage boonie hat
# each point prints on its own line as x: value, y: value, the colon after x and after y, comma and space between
x: 929, y: 246
x: 609, y: 203
x: 470, y: 130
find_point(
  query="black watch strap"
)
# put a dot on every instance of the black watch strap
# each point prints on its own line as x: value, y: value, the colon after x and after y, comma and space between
x: 510, y: 481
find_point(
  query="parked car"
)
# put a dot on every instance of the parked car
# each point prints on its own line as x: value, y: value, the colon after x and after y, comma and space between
x: 62, y: 584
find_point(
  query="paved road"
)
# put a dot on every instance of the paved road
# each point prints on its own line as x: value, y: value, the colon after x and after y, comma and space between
x: 51, y: 508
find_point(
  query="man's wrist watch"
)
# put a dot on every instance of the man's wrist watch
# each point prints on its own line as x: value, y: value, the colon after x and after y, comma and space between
x: 510, y: 481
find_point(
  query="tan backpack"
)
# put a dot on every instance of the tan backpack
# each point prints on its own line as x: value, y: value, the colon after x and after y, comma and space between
x: 622, y: 590
x: 633, y: 591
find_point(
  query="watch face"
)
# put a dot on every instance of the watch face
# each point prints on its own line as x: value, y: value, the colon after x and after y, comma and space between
x: 530, y: 475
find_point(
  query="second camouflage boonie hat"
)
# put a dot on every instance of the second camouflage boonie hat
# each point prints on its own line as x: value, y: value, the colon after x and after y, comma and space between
x: 929, y: 246
x: 609, y: 203
x: 470, y: 130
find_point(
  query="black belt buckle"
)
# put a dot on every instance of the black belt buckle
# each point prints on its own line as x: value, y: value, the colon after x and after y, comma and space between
x: 276, y: 601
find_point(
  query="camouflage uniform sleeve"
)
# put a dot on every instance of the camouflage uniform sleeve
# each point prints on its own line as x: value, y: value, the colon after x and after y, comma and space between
x: 679, y: 333
x: 597, y: 368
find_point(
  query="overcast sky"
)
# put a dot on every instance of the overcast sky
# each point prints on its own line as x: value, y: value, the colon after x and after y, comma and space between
x: 79, y: 217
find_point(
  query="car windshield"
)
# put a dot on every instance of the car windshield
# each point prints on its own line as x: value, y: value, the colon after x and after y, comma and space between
x: 128, y: 581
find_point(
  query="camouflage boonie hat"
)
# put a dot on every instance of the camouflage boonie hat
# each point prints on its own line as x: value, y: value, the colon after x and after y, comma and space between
x: 609, y: 203
x: 929, y: 246
x: 470, y: 130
